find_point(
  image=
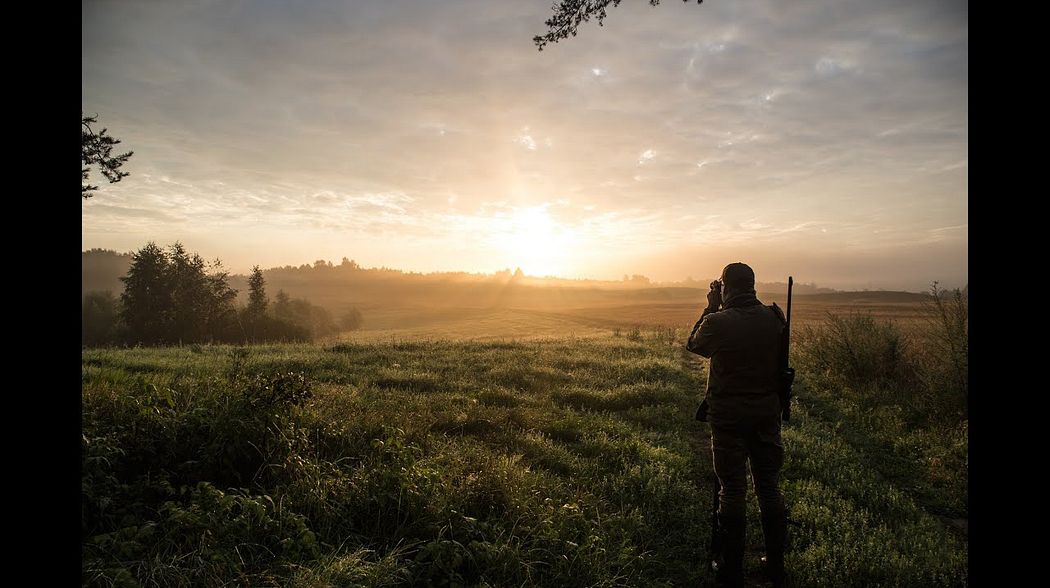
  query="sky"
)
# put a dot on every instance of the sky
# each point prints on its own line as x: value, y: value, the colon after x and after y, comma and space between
x: 824, y: 139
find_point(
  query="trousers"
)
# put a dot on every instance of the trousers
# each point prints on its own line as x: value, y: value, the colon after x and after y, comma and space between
x: 736, y: 443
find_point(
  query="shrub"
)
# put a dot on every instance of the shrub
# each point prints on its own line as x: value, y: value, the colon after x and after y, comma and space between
x: 351, y: 320
x: 925, y: 372
x: 858, y: 352
x: 944, y: 359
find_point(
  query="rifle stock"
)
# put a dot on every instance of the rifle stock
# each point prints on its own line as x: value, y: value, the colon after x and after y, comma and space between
x: 715, y: 552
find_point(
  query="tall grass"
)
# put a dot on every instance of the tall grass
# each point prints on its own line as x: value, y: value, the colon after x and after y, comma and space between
x: 562, y: 462
x: 944, y: 358
x: 859, y: 354
x: 922, y: 370
x: 558, y: 463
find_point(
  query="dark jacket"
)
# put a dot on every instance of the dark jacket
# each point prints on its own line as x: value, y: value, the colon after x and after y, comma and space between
x: 743, y: 344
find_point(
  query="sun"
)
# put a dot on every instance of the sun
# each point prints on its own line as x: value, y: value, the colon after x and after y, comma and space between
x: 536, y: 243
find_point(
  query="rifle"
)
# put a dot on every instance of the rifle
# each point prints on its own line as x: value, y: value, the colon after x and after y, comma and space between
x: 787, y: 373
x: 715, y: 551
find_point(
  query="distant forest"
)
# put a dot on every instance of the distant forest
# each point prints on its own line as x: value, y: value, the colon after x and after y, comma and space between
x: 338, y: 288
x: 170, y: 296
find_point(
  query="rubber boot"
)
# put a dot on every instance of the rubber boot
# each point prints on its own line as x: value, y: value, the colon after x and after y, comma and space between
x: 774, y: 529
x: 734, y: 532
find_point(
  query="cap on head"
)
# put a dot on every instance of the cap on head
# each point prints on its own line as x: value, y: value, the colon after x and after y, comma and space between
x: 738, y: 276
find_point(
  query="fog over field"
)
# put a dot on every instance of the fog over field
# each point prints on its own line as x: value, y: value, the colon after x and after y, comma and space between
x: 510, y: 305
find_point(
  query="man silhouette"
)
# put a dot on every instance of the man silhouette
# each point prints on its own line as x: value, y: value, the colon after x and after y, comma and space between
x: 742, y: 338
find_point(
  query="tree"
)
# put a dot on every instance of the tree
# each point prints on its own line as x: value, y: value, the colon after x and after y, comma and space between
x: 569, y: 14
x: 190, y: 295
x: 221, y: 312
x: 282, y: 308
x: 286, y: 323
x: 352, y: 319
x: 145, y: 303
x: 314, y: 320
x: 98, y: 318
x: 257, y: 300
x: 173, y: 298
x: 96, y: 149
x: 256, y: 322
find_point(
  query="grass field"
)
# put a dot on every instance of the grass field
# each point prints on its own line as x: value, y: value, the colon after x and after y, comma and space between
x: 426, y: 460
x: 496, y: 323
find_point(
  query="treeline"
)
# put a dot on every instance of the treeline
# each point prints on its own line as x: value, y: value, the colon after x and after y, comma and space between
x: 172, y: 297
x: 101, y: 270
x: 339, y: 286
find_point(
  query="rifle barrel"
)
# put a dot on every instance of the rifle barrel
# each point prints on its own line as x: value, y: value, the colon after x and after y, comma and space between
x: 787, y: 327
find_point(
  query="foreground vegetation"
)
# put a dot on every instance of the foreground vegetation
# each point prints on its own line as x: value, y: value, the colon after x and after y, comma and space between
x: 570, y: 462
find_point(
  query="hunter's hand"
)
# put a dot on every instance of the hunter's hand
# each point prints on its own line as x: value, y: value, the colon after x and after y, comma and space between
x: 714, y: 296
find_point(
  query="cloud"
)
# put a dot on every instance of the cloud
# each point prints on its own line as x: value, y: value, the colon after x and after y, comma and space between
x: 373, y: 114
x: 526, y: 140
x: 829, y: 67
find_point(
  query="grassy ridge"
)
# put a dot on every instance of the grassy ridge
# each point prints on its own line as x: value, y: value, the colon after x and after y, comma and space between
x: 560, y: 462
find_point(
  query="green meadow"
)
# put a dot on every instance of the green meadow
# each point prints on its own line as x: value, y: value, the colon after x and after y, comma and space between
x: 569, y: 461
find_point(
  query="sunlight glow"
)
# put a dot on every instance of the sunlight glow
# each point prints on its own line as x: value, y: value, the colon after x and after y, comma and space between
x: 535, y: 242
